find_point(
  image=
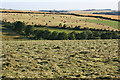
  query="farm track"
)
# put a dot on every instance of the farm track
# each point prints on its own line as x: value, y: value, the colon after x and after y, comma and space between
x: 53, y: 59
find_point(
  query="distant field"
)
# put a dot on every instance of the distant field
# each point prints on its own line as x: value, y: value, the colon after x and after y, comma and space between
x: 55, y: 20
x: 91, y: 14
x: 108, y: 16
x: 21, y: 11
x: 105, y: 22
x: 87, y: 12
x: 66, y: 59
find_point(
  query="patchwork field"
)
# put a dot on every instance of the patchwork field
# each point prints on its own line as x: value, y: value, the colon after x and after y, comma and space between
x: 54, y: 59
x: 108, y: 16
x: 55, y: 20
x: 88, y: 12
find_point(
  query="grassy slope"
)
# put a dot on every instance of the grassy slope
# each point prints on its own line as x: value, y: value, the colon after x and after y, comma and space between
x: 71, y: 20
x: 105, y: 22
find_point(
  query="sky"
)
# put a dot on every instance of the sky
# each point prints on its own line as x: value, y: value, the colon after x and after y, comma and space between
x: 59, y: 4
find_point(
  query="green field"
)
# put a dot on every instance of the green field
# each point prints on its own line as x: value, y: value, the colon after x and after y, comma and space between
x: 105, y: 22
x: 58, y: 30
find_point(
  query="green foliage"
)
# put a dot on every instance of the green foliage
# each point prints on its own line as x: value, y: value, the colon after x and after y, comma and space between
x: 84, y: 35
x: 77, y: 27
x: 72, y: 36
x: 46, y: 24
x: 46, y: 34
x: 87, y: 33
x: 60, y: 25
x: 54, y: 35
x: 106, y: 35
x: 38, y: 34
x: 62, y: 36
x: 29, y: 30
x: 64, y: 26
x: 19, y: 26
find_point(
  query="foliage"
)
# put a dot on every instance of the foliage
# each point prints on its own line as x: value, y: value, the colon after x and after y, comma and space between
x: 29, y: 30
x: 55, y: 35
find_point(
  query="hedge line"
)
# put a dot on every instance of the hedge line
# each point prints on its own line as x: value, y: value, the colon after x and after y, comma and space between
x: 30, y: 32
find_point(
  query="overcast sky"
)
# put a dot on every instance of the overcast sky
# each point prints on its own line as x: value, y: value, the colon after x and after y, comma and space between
x: 59, y: 4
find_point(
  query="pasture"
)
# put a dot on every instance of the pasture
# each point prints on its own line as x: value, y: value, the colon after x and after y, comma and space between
x: 108, y: 16
x: 66, y: 59
x: 55, y: 20
x: 105, y: 22
x: 88, y: 12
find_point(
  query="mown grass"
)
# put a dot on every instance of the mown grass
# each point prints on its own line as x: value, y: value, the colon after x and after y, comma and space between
x: 55, y: 20
x: 113, y: 24
x: 65, y: 58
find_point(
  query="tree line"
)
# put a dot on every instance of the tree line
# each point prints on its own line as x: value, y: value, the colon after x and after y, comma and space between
x: 30, y: 32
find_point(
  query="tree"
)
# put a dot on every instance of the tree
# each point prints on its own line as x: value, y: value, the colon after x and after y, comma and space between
x: 46, y: 34
x: 46, y: 24
x: 77, y: 27
x: 19, y: 26
x: 38, y: 34
x: 115, y: 35
x: 54, y: 35
x: 89, y: 34
x: 64, y: 26
x: 96, y: 35
x: 29, y: 30
x: 106, y: 35
x: 83, y: 35
x: 60, y: 25
x: 62, y: 36
x: 72, y: 36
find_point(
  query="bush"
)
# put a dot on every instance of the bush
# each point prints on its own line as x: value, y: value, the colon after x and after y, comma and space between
x: 72, y: 36
x: 29, y: 30
x: 62, y: 36
x: 54, y: 35
x: 60, y: 25
x: 19, y: 26
x: 64, y: 26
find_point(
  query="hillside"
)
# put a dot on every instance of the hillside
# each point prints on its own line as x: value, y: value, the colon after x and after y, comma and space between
x: 56, y: 19
x: 61, y: 59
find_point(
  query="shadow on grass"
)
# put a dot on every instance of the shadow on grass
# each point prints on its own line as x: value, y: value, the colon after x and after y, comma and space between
x: 19, y: 38
x: 10, y: 33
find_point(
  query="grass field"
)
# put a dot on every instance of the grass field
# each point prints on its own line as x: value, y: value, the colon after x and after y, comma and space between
x: 87, y: 12
x: 105, y: 22
x: 66, y: 59
x: 58, y: 30
x: 58, y: 58
x: 55, y: 20
x: 108, y: 16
